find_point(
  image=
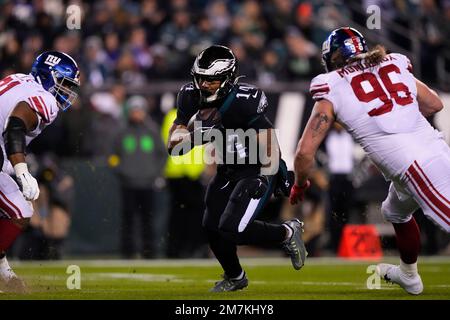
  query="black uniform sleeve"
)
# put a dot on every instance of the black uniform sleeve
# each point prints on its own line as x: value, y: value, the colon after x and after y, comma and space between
x: 256, y: 112
x: 186, y: 104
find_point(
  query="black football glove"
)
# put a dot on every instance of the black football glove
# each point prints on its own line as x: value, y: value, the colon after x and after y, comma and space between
x: 284, y: 181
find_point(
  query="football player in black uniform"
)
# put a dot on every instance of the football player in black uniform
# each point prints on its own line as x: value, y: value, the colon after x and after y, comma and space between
x: 240, y: 188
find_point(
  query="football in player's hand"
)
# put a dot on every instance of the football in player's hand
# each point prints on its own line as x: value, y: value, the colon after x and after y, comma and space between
x: 210, y: 117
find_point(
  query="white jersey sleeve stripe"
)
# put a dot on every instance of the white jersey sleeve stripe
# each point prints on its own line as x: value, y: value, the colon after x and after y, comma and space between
x: 319, y: 93
x: 318, y: 90
x: 31, y: 103
x: 315, y: 86
x: 35, y: 107
x: 40, y: 108
x: 44, y: 107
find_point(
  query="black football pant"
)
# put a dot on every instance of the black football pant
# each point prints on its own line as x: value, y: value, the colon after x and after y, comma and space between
x: 229, y: 221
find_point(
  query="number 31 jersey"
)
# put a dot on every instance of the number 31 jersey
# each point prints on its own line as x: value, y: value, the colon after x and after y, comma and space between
x: 378, y: 105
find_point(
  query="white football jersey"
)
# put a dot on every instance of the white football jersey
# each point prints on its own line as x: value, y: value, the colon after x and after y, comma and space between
x: 378, y: 106
x: 23, y: 87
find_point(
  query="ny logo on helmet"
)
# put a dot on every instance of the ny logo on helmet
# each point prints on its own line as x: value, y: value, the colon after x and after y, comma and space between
x: 52, y: 60
x: 350, y: 43
x: 326, y: 46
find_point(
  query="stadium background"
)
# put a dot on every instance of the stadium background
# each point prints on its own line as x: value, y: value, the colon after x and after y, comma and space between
x: 127, y: 48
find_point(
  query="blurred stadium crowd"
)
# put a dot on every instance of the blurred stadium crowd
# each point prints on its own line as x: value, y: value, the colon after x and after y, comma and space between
x: 132, y: 41
x: 123, y: 45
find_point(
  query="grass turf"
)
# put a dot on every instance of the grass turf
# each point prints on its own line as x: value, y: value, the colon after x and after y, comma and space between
x: 269, y: 279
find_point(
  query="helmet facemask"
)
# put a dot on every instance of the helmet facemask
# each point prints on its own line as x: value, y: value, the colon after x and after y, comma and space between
x: 226, y: 83
x: 64, y: 89
x: 57, y: 73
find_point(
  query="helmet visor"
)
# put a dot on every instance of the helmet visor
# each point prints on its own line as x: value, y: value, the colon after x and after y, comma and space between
x: 65, y: 90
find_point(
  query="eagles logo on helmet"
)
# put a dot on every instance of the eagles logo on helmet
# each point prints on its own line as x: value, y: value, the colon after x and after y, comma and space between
x: 215, y: 63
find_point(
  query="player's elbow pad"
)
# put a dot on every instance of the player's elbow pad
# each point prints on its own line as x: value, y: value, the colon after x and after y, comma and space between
x: 14, y: 136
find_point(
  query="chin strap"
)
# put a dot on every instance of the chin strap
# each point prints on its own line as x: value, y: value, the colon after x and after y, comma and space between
x: 213, y: 97
x: 237, y: 79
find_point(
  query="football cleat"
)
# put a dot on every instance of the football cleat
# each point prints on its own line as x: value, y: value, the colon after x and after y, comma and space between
x: 392, y: 273
x: 294, y: 246
x: 228, y: 284
x: 9, y: 281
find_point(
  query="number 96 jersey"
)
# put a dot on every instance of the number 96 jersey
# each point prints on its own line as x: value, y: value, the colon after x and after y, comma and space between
x: 378, y: 105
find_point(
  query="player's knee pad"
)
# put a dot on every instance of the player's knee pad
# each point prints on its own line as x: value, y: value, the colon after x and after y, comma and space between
x: 388, y: 212
x: 243, y: 205
x: 385, y: 209
x: 234, y: 211
x: 391, y: 214
x: 228, y: 223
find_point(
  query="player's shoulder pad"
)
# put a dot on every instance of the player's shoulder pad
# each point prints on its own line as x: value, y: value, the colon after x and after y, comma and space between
x: 402, y: 60
x: 321, y: 85
x: 255, y: 97
x: 44, y: 104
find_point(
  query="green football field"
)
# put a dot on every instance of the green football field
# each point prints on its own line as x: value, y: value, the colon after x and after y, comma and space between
x: 269, y: 279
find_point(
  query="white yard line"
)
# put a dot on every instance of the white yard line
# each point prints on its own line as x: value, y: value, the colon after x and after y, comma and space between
x: 213, y: 262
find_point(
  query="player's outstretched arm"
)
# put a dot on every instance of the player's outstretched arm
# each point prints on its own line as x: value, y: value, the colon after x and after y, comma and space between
x: 320, y: 121
x: 428, y: 99
x: 21, y: 121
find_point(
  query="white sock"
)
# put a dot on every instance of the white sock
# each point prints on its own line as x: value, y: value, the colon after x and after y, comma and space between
x: 289, y: 232
x: 4, y: 263
x: 409, y: 269
x: 6, y: 272
x: 239, y: 277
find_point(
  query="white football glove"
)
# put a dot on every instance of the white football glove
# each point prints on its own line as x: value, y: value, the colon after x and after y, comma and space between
x: 29, y: 184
